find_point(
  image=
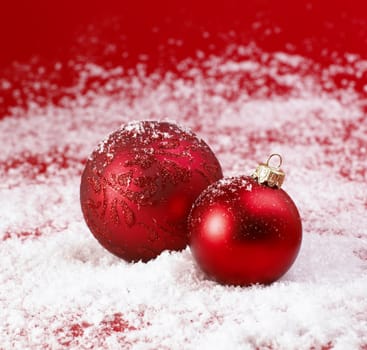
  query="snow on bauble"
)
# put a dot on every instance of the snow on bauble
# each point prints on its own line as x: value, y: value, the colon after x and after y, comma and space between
x: 138, y: 187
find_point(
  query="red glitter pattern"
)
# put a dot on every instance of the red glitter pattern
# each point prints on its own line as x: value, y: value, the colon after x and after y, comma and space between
x: 138, y: 187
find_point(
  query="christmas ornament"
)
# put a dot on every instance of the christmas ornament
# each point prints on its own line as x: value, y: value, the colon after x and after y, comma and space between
x: 138, y: 187
x: 246, y: 230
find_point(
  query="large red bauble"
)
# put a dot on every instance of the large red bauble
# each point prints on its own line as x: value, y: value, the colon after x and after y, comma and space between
x: 242, y: 232
x: 138, y: 187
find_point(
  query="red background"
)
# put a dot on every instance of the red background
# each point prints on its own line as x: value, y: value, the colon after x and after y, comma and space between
x: 49, y: 29
x: 44, y: 32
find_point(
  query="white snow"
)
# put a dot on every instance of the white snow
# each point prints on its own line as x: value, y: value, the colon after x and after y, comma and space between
x: 61, y: 289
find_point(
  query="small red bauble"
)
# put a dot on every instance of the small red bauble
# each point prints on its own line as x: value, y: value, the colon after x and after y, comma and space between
x: 245, y: 230
x: 138, y: 187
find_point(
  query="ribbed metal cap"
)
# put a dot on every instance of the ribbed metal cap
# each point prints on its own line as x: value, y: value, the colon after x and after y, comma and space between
x: 270, y: 175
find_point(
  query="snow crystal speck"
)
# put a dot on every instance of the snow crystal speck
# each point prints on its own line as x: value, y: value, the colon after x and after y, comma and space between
x: 60, y: 288
x: 135, y: 127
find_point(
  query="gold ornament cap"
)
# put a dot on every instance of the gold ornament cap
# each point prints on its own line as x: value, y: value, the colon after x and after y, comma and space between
x: 271, y: 176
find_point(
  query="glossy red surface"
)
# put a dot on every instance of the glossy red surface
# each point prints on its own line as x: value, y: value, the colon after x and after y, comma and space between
x: 243, y: 233
x: 138, y: 187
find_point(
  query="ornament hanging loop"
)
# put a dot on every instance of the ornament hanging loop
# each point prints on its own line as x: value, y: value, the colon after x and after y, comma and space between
x: 269, y: 175
x: 275, y: 155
